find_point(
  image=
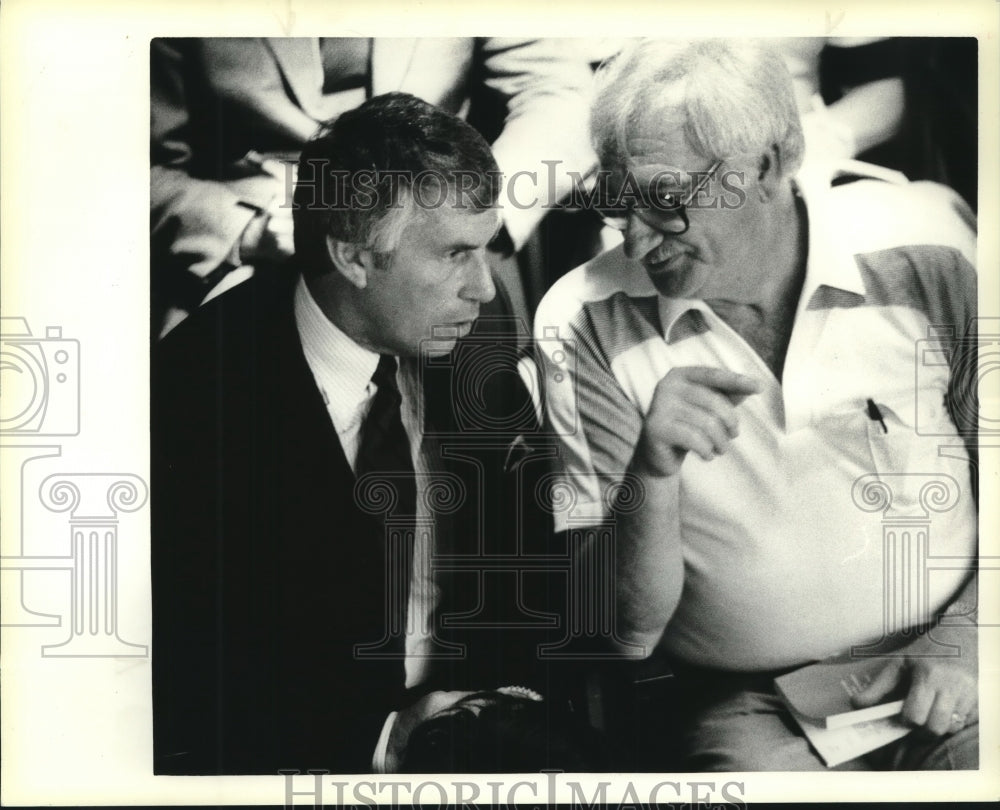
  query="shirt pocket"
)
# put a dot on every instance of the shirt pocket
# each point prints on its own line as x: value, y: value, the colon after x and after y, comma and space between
x: 903, y: 460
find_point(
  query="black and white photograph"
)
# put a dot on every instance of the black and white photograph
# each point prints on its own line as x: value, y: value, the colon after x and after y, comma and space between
x: 598, y: 414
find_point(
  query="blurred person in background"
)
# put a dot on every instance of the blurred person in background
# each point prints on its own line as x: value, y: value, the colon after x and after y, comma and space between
x: 908, y: 104
x: 230, y: 115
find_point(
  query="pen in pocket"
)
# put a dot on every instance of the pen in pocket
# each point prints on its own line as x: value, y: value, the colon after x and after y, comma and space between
x: 876, y: 415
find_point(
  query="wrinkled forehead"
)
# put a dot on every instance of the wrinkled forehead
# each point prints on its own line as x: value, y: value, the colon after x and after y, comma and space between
x: 657, y: 137
x: 452, y: 213
x: 656, y: 154
x: 451, y: 222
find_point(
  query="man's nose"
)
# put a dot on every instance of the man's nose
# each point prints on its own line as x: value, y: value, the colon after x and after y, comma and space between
x: 480, y: 286
x: 640, y: 237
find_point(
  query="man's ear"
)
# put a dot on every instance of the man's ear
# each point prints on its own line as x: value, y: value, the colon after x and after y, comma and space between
x: 350, y: 259
x: 769, y: 173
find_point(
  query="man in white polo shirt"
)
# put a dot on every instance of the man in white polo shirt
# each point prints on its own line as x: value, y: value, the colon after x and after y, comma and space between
x: 745, y: 365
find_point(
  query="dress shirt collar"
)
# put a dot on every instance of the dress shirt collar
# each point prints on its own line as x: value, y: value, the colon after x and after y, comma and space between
x: 342, y: 368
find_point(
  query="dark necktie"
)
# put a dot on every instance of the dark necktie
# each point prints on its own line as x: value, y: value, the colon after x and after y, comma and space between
x: 385, y: 454
x: 385, y: 447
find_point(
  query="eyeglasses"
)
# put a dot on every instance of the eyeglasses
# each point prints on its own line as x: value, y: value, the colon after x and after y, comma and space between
x: 662, y: 207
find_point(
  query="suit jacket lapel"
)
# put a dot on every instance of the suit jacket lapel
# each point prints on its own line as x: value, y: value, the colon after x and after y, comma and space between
x: 350, y: 543
x: 302, y: 68
x: 304, y: 412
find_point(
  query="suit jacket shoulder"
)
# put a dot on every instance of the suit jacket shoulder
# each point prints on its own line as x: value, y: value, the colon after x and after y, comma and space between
x: 265, y: 571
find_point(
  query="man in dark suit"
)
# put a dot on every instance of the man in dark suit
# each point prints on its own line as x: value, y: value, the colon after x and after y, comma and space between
x: 293, y: 599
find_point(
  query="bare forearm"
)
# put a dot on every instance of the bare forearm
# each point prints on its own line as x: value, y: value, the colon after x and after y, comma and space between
x: 649, y: 561
x: 692, y: 411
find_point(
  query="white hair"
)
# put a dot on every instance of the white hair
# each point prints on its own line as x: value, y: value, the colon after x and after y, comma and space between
x: 730, y: 96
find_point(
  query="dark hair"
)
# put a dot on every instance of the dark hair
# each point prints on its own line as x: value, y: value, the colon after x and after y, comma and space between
x: 505, y: 734
x: 356, y: 175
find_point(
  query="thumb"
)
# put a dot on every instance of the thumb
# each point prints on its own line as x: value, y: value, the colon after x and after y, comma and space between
x: 887, y: 679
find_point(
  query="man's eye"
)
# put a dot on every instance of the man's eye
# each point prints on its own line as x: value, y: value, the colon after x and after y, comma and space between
x: 667, y: 199
x: 458, y: 255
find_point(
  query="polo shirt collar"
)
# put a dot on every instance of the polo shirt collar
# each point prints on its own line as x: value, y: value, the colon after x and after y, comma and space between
x: 682, y: 317
x: 829, y: 263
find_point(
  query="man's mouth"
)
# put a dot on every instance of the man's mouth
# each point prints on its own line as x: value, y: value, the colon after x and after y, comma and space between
x: 663, y: 264
x: 455, y: 329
